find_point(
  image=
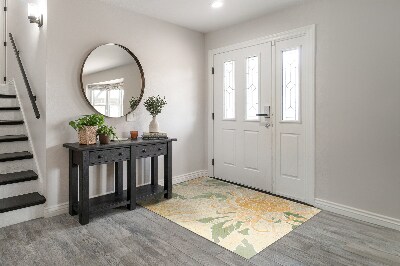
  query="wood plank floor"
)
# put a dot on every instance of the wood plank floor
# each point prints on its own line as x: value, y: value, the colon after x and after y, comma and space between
x: 140, y: 237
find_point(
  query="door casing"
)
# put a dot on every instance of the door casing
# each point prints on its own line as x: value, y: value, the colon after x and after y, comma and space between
x: 308, y: 32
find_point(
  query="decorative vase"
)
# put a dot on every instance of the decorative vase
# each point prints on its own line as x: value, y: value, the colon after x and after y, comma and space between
x: 154, y: 127
x: 87, y: 135
x: 104, y: 139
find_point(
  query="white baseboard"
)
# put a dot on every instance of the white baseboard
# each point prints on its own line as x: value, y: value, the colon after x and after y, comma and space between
x: 358, y: 214
x: 56, y: 210
x: 186, y: 177
x: 63, y: 207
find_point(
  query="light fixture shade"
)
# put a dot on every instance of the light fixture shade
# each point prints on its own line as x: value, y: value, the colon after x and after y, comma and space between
x: 34, y: 14
x: 33, y: 10
x: 217, y: 4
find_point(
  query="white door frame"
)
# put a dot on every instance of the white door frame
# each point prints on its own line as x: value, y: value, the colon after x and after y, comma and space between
x: 309, y: 33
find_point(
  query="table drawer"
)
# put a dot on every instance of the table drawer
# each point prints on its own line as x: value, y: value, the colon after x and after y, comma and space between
x: 150, y: 150
x: 109, y: 156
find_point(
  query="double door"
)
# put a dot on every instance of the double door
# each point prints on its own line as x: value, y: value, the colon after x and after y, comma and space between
x: 259, y: 122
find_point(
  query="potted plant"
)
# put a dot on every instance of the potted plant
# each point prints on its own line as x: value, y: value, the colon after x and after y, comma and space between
x: 105, y: 133
x: 154, y: 106
x: 134, y: 103
x: 87, y: 128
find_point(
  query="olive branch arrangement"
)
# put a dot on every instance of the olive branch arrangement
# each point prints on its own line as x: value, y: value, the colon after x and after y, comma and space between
x: 155, y: 104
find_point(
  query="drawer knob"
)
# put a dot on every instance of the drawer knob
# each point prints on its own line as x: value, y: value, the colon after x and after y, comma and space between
x: 160, y: 149
x: 144, y: 150
x: 120, y: 154
x: 100, y: 156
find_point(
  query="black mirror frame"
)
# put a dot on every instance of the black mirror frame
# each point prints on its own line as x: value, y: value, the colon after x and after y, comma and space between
x: 140, y: 70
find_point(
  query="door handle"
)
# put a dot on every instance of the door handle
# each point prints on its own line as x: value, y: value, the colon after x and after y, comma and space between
x: 264, y: 115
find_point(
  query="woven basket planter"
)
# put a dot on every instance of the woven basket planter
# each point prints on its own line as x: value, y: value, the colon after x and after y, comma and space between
x: 87, y: 135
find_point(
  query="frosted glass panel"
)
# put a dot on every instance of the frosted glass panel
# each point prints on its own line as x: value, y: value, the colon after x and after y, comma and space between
x: 252, y: 85
x: 229, y: 90
x: 290, y: 84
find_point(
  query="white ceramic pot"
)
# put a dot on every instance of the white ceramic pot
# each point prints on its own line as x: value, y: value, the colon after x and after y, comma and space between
x: 154, y: 127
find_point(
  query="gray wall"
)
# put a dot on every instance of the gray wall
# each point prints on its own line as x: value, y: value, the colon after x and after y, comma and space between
x: 31, y: 42
x: 357, y: 96
x: 173, y: 61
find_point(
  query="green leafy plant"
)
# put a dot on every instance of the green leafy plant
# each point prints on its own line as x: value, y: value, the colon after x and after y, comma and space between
x: 107, y: 130
x: 155, y: 104
x: 87, y: 121
x: 134, y: 102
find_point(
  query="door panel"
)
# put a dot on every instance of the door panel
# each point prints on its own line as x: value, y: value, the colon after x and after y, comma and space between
x: 242, y: 143
x: 290, y: 129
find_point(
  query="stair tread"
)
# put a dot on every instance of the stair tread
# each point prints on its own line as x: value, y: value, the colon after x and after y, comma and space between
x: 11, y: 108
x: 21, y: 201
x: 11, y: 122
x: 17, y: 177
x: 5, y: 157
x: 11, y: 138
x: 8, y: 96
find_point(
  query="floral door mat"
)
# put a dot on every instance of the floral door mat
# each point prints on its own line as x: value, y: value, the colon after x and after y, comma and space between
x: 241, y: 220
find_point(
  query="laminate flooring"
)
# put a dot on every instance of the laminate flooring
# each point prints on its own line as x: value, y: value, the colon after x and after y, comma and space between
x: 140, y: 237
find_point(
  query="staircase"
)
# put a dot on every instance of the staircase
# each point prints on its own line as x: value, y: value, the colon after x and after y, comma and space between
x: 20, y: 199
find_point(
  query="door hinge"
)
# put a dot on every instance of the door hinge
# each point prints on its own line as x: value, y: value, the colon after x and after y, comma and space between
x: 212, y: 70
x: 5, y: 79
x: 212, y: 162
x: 212, y: 116
x: 5, y: 43
x: 5, y: 9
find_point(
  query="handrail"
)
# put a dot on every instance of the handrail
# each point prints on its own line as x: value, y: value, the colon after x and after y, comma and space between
x: 26, y: 81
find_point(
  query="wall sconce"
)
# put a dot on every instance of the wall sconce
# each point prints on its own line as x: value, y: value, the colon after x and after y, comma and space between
x: 34, y: 15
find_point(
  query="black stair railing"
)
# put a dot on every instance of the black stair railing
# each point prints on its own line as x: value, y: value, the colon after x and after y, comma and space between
x: 26, y: 81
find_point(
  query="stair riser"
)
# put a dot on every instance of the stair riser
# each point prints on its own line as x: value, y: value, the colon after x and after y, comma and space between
x: 7, y: 102
x: 21, y: 215
x: 12, y: 130
x: 10, y: 115
x: 6, y: 89
x: 11, y: 190
x: 17, y: 146
x: 17, y: 166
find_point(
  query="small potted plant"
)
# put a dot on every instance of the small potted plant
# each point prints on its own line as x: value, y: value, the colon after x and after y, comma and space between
x: 134, y: 103
x: 87, y: 128
x: 154, y: 106
x: 105, y: 133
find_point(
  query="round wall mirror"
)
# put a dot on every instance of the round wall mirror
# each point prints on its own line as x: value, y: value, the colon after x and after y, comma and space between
x: 111, y: 75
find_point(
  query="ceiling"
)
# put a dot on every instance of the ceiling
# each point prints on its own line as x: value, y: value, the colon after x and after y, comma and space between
x: 198, y: 14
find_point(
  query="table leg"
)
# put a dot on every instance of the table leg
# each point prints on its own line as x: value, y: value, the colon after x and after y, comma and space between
x: 132, y: 183
x: 73, y: 183
x: 119, y: 185
x: 154, y: 170
x: 168, y: 172
x: 84, y: 189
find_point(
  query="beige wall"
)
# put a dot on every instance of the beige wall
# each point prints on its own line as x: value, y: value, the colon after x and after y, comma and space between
x: 173, y: 61
x: 357, y: 96
x: 31, y: 42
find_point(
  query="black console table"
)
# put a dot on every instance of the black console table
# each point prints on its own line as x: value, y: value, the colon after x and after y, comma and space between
x: 83, y: 156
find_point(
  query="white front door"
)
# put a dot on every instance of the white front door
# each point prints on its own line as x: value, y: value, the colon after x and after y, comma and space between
x: 290, y: 163
x: 242, y: 141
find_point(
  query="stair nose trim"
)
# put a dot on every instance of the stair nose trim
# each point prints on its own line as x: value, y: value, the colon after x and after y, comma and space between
x: 11, y: 108
x: 21, y: 201
x: 7, y: 157
x: 12, y: 138
x: 11, y: 122
x: 8, y: 96
x: 17, y: 177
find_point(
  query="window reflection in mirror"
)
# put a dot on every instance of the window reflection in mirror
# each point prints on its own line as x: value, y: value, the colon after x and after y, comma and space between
x: 111, y: 76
